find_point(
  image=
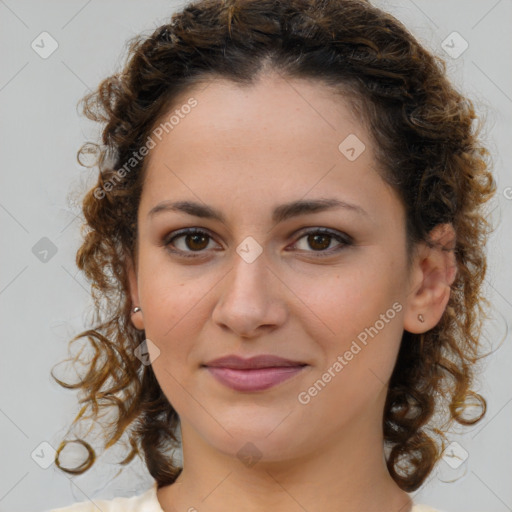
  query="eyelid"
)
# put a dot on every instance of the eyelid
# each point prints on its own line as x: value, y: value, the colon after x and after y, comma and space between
x: 184, y: 232
x: 343, y: 239
x: 346, y: 238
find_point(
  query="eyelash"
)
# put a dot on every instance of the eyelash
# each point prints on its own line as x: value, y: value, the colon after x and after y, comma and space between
x: 346, y: 240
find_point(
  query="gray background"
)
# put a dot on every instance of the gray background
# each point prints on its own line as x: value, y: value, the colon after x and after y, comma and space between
x: 44, y: 304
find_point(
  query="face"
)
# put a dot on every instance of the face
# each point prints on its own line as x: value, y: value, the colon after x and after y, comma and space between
x: 325, y: 287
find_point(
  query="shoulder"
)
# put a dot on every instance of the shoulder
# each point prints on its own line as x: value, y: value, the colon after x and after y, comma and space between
x: 424, y: 508
x: 146, y: 502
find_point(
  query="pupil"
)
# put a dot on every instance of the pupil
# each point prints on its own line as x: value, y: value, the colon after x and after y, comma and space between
x: 314, y: 240
x: 195, y: 238
x: 317, y: 237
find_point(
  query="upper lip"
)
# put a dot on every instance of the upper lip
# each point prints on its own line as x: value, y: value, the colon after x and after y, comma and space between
x: 261, y: 361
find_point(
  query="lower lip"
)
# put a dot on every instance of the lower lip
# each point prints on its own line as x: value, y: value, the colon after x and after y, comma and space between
x: 255, y: 379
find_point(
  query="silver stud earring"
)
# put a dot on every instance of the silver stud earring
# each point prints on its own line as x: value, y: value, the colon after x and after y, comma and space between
x: 136, y: 309
x: 420, y: 318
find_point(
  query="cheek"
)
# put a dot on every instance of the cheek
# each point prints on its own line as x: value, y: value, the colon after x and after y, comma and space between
x: 175, y: 315
x: 171, y: 293
x: 360, y: 334
x: 344, y: 301
x: 358, y: 316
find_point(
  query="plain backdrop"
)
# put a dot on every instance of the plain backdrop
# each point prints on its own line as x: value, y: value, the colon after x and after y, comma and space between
x: 45, y: 301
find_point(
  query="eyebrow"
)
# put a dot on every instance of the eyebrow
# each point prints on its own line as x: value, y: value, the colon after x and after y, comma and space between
x: 280, y: 213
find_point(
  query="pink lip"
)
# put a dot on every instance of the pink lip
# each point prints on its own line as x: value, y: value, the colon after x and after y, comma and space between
x: 253, y: 374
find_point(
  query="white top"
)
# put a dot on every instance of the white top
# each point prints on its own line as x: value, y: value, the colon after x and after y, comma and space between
x: 148, y: 502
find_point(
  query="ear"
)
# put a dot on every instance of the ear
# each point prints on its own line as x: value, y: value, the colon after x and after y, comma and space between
x: 137, y: 319
x: 434, y: 270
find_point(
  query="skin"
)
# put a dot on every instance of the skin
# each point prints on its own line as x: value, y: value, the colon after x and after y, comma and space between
x: 244, y: 151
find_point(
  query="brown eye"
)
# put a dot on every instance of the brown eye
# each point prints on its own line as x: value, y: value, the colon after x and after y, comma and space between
x: 188, y: 241
x: 193, y: 242
x: 196, y: 241
x: 320, y: 240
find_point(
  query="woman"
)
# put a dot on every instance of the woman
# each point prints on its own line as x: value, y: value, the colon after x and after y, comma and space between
x: 286, y: 247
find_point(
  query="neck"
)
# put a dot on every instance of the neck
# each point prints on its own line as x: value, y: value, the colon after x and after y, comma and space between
x: 344, y: 473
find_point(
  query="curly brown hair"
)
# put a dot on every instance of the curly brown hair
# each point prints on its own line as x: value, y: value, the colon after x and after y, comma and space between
x: 427, y: 147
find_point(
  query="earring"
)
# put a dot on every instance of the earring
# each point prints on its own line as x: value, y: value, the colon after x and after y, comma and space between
x: 420, y: 318
x: 136, y: 309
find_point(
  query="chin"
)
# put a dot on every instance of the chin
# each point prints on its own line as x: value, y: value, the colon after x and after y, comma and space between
x: 269, y: 440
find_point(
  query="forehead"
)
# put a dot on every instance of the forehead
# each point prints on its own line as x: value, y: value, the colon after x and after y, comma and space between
x: 295, y: 120
x: 279, y: 137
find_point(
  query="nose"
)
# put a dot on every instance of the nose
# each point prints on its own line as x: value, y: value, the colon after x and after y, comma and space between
x: 251, y: 300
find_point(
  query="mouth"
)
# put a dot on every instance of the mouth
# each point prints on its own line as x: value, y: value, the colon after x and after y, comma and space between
x: 253, y: 374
